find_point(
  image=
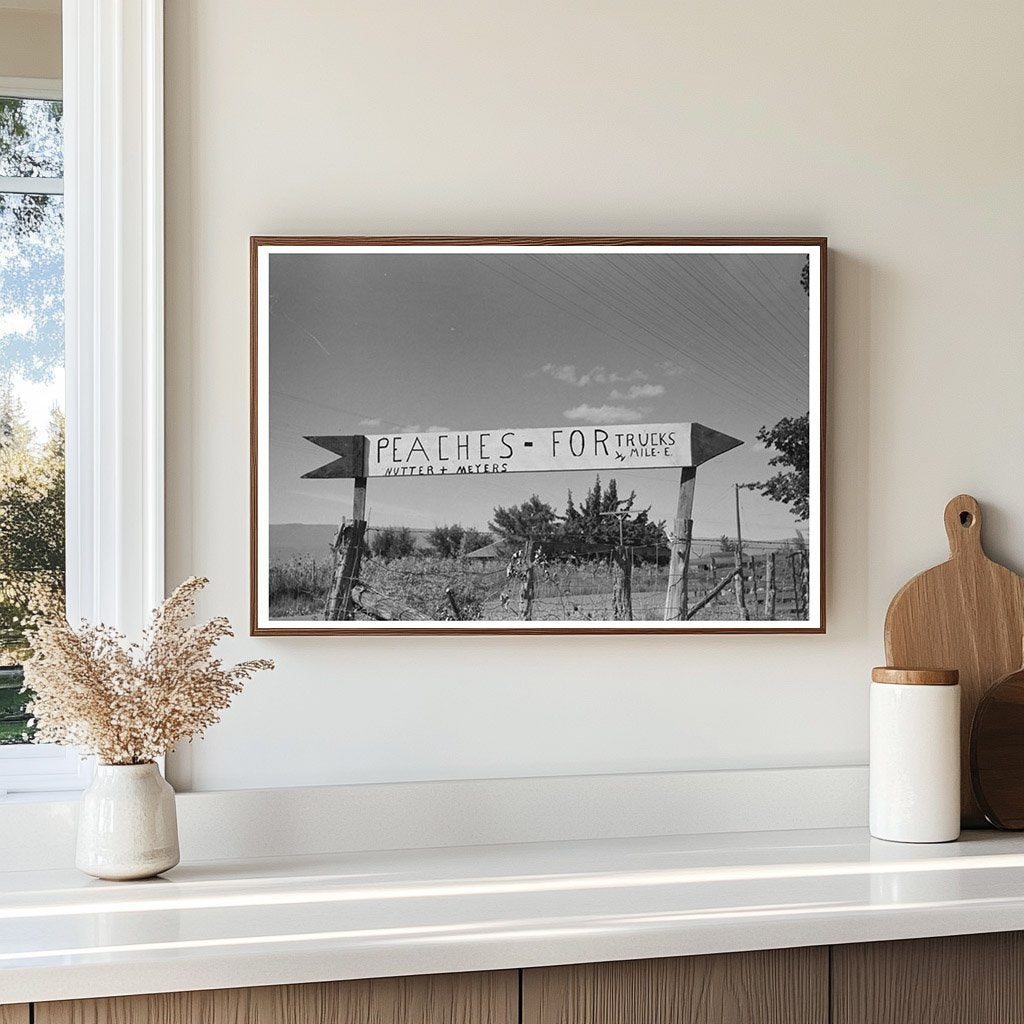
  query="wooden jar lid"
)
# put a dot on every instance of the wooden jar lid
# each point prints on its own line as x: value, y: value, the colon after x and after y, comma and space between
x: 916, y: 676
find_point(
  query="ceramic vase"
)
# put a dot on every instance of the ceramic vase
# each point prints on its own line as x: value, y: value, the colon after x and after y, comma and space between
x: 127, y: 825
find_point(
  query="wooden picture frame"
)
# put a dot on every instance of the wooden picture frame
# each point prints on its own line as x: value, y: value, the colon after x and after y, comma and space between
x: 383, y: 368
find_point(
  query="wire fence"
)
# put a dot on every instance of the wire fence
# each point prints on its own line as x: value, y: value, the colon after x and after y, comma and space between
x: 562, y: 584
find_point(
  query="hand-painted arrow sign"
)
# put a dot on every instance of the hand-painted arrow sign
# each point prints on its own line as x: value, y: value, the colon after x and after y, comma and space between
x: 521, y: 450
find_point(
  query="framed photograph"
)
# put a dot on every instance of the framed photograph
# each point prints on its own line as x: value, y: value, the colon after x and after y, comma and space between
x: 537, y: 435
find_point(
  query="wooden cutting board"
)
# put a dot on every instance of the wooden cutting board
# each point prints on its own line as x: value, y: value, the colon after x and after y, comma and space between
x: 967, y: 614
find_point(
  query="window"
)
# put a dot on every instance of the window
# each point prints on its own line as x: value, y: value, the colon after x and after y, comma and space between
x: 111, y: 208
x: 32, y: 530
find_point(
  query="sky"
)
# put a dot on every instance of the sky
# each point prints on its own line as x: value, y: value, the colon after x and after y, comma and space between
x: 31, y: 268
x: 405, y: 342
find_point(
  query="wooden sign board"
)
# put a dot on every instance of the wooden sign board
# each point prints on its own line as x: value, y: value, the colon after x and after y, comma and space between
x: 521, y: 450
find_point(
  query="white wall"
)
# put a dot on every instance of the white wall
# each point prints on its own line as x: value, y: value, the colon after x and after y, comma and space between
x: 895, y: 129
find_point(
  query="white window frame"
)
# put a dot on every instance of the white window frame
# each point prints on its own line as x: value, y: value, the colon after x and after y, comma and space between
x: 114, y: 325
x: 37, y: 767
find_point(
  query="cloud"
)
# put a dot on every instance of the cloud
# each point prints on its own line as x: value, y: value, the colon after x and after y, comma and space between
x: 603, y: 413
x: 639, y: 391
x: 370, y: 423
x: 568, y: 374
x: 669, y: 369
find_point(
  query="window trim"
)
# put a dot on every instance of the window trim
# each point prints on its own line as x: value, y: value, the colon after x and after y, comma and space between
x: 31, y: 88
x: 114, y: 268
x: 31, y: 186
x: 112, y: 90
x: 42, y: 768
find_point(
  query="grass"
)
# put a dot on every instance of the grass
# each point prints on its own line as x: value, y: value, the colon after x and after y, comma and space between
x: 12, y: 702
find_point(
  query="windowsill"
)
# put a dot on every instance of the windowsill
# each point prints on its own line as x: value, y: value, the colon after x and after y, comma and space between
x: 50, y: 796
x: 32, y: 772
x: 388, y: 913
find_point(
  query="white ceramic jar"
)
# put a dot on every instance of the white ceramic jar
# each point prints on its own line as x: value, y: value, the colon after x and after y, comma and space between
x: 915, y: 755
x: 127, y: 823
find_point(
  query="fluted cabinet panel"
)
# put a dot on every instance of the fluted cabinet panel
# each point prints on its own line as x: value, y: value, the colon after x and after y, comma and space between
x: 960, y: 979
x: 480, y: 998
x: 778, y: 986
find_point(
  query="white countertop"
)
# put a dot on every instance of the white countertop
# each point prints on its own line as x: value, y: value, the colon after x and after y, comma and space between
x: 352, y: 915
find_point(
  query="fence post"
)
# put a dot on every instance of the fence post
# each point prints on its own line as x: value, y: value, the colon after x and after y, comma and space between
x: 798, y: 604
x: 526, y: 589
x: 769, y: 586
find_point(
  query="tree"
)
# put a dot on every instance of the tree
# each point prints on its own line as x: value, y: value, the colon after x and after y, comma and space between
x: 31, y: 523
x: 474, y: 539
x: 726, y: 543
x: 447, y: 540
x: 591, y: 522
x: 534, y: 519
x: 392, y: 542
x: 452, y: 541
x: 791, y: 486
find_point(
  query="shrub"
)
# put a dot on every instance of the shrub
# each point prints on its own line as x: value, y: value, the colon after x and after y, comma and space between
x: 392, y: 542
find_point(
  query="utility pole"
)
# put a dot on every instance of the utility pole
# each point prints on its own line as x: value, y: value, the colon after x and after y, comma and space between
x: 741, y: 603
x: 622, y: 591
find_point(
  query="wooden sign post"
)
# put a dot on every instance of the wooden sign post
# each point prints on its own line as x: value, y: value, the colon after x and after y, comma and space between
x: 349, y: 544
x: 518, y: 450
x: 677, y: 594
x: 348, y: 558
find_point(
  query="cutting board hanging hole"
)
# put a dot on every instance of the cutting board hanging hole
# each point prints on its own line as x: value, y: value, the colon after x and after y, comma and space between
x: 963, y: 525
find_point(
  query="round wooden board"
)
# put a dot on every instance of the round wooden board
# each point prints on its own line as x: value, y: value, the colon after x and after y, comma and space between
x: 997, y: 752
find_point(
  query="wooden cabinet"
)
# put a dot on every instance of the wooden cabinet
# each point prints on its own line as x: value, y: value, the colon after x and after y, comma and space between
x: 969, y: 979
x: 962, y: 979
x: 778, y: 986
x: 491, y: 998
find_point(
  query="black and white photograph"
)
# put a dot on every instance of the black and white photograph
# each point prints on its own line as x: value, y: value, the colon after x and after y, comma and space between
x: 543, y: 435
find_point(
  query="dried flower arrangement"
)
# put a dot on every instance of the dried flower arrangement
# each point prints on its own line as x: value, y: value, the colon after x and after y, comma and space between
x: 130, y: 703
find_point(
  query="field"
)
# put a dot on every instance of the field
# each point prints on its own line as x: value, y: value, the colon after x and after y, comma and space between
x: 425, y: 586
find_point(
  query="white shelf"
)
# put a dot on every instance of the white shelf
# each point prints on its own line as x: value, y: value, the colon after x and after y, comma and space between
x: 353, y: 915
